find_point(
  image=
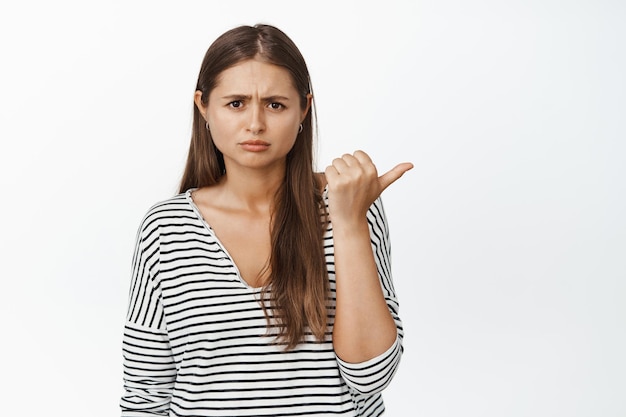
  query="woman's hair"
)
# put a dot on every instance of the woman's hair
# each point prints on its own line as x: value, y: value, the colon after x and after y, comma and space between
x: 297, y: 288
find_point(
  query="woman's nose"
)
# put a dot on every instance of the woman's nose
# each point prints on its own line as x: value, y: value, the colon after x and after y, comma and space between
x: 257, y: 120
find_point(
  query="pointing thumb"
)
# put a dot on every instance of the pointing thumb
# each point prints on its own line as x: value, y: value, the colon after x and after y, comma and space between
x: 392, y: 175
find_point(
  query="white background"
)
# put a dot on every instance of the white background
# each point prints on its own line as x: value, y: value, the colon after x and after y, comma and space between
x: 509, y: 236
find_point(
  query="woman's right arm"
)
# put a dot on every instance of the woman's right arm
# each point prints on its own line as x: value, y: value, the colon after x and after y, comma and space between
x: 149, y: 369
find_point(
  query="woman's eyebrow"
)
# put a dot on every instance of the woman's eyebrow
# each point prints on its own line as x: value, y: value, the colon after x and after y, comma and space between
x: 275, y: 98
x: 237, y: 97
x: 234, y: 97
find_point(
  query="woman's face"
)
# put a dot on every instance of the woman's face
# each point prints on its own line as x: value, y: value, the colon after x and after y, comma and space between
x: 254, y: 114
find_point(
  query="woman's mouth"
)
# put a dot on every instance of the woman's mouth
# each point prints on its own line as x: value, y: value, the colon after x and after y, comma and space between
x: 255, y: 145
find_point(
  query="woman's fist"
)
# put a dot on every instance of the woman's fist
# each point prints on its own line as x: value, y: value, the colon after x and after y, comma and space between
x: 354, y: 184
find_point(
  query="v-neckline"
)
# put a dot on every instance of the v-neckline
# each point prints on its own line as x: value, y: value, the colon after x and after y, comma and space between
x: 207, y: 226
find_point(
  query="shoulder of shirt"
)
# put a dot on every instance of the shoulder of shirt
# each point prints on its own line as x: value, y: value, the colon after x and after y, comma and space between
x: 170, y: 203
x: 177, y: 205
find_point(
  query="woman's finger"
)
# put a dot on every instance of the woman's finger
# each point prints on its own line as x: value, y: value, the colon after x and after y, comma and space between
x: 362, y: 157
x: 340, y: 165
x: 391, y: 176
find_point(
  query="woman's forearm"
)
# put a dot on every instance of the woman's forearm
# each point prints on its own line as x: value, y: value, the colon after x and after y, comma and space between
x: 364, y: 327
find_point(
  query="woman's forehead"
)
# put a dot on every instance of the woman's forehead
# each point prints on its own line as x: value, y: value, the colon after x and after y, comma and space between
x: 255, y: 75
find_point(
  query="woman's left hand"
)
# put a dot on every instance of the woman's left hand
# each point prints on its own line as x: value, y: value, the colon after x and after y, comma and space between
x: 354, y: 184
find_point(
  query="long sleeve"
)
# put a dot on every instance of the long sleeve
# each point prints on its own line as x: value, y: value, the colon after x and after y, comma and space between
x: 372, y: 376
x: 149, y: 370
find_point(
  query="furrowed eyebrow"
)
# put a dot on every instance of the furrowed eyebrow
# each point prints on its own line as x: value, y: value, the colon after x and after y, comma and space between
x: 235, y: 97
x: 275, y: 98
x: 270, y: 99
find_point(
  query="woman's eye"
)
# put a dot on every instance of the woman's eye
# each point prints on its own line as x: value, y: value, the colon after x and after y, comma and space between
x: 235, y: 104
x: 276, y: 106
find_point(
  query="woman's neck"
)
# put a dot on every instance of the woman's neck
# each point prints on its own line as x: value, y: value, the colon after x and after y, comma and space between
x: 252, y: 191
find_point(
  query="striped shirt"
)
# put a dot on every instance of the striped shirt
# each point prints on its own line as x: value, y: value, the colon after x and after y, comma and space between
x: 197, y: 343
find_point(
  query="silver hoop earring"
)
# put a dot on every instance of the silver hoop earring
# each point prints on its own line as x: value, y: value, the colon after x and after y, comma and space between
x: 207, y: 126
x: 300, y: 128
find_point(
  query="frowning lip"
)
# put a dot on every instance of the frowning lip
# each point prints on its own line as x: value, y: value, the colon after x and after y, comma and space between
x: 254, y: 145
x: 255, y: 142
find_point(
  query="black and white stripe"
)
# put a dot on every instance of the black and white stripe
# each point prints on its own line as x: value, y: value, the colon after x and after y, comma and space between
x: 196, y: 341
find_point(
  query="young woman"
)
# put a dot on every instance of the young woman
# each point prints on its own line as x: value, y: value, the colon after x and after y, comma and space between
x: 263, y: 288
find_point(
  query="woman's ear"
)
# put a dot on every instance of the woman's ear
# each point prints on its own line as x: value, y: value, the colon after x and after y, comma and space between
x: 309, y: 100
x: 197, y: 98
